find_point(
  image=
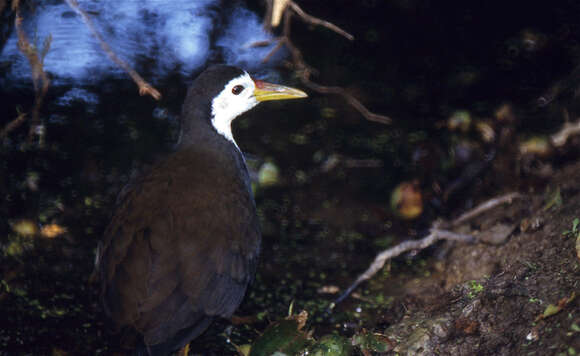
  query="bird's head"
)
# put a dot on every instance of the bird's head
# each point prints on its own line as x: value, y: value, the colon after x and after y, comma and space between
x: 233, y: 92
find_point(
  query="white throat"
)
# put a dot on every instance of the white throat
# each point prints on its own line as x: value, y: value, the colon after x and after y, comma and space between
x: 227, y: 106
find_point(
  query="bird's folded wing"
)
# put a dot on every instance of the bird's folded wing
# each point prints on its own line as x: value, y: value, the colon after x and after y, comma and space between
x: 169, y: 260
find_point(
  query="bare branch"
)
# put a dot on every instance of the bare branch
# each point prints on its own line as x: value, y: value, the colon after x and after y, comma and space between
x: 144, y: 87
x: 316, y: 21
x: 305, y: 71
x: 560, y: 86
x: 19, y: 120
x: 568, y: 129
x: 267, y: 23
x: 485, y: 206
x: 40, y: 80
x: 264, y: 43
x: 276, y: 48
x: 278, y: 7
x: 395, y: 251
x: 349, y: 98
x: 436, y: 234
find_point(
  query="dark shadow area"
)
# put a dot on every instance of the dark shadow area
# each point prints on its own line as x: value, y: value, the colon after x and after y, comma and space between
x: 463, y: 83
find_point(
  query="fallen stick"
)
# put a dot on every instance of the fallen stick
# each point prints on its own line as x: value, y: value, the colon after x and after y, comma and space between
x: 436, y: 233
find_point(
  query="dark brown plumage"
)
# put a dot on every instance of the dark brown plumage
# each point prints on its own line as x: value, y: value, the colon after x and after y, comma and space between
x: 183, y: 243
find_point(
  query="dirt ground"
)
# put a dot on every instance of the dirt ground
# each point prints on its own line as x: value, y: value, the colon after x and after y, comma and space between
x: 498, y: 299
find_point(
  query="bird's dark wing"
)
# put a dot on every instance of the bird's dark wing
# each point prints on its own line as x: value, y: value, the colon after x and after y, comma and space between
x: 169, y: 261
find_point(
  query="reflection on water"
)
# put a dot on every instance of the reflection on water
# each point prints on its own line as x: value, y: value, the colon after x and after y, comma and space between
x: 152, y: 35
x: 243, y: 30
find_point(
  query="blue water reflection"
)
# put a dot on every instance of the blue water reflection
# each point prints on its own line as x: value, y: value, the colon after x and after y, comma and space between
x: 244, y: 29
x: 155, y: 37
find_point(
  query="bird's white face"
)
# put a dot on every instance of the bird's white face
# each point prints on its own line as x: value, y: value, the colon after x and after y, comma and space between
x: 236, y: 98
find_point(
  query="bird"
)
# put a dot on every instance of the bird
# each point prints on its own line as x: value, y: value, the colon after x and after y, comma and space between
x: 183, y: 242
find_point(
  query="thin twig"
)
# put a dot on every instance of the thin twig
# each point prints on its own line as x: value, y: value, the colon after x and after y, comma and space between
x: 568, y: 129
x: 144, y: 87
x: 40, y: 80
x: 264, y: 43
x: 436, y: 233
x: 305, y: 71
x: 276, y: 48
x: 268, y: 16
x: 395, y: 251
x: 485, y: 206
x: 560, y: 86
x: 354, y: 102
x: 19, y: 120
x: 316, y: 21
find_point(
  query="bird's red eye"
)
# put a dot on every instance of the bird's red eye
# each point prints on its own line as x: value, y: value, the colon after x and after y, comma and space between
x: 237, y: 89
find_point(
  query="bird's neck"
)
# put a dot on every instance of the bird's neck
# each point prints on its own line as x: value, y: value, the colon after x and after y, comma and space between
x: 198, y: 121
x: 203, y: 144
x: 199, y: 135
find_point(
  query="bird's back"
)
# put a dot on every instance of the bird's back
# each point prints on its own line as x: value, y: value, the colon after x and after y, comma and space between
x: 182, y: 246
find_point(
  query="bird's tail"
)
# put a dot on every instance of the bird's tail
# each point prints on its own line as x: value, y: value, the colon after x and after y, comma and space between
x: 182, y: 338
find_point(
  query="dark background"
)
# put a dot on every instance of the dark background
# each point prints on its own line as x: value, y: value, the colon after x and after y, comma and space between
x: 417, y: 61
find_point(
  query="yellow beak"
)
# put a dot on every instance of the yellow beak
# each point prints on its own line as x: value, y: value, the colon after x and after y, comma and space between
x: 267, y: 91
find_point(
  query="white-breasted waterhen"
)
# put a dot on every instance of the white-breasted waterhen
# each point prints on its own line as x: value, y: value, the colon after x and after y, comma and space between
x: 182, y: 245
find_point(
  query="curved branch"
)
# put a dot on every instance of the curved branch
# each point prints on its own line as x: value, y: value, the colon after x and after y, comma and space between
x: 354, y: 102
x: 40, y: 80
x: 395, y: 251
x: 144, y: 87
x: 316, y: 21
x: 436, y: 233
x: 305, y: 71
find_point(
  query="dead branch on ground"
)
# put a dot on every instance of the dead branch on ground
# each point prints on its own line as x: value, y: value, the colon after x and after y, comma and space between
x: 483, y: 207
x: 436, y: 233
x: 560, y: 138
